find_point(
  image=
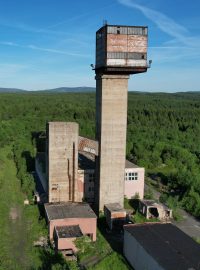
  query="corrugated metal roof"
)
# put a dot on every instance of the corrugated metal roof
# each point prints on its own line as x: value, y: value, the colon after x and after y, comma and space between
x: 168, y: 245
x: 68, y: 210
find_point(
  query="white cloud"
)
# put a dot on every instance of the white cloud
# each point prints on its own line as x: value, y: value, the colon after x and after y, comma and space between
x: 164, y: 23
x: 50, y: 50
x: 181, y: 46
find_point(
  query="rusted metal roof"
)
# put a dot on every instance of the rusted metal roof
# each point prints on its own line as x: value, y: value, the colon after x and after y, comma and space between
x: 88, y: 145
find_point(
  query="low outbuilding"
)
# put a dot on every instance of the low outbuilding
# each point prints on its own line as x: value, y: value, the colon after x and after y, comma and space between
x: 67, y: 221
x: 159, y: 246
x: 115, y: 215
x: 151, y: 209
x: 64, y: 237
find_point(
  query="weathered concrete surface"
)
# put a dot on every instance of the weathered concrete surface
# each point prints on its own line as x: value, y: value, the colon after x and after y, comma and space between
x: 62, y: 161
x: 111, y: 123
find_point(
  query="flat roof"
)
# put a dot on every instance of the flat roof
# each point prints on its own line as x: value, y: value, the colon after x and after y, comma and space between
x: 115, y: 207
x: 152, y: 203
x: 68, y: 231
x: 168, y: 245
x: 68, y: 210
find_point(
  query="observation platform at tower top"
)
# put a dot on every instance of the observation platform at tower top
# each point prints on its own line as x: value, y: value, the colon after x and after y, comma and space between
x: 121, y: 49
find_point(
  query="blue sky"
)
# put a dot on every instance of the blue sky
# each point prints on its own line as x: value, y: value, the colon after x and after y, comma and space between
x: 51, y: 43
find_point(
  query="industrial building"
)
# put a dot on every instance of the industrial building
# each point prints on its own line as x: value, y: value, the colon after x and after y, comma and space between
x: 67, y: 221
x: 70, y: 166
x: 158, y: 246
x: 120, y: 51
x: 133, y: 180
x: 79, y: 169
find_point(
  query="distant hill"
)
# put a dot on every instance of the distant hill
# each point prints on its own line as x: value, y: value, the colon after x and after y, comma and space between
x: 55, y: 90
x: 70, y: 89
x: 84, y: 89
x: 10, y: 90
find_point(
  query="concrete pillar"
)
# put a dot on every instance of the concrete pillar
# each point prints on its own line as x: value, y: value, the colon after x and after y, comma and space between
x: 111, y: 124
x: 62, y: 161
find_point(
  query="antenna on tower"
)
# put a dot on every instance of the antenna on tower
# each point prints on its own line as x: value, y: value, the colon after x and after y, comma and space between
x: 105, y: 22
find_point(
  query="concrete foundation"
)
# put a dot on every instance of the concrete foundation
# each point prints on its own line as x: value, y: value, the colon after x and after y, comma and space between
x: 111, y: 124
x: 62, y: 161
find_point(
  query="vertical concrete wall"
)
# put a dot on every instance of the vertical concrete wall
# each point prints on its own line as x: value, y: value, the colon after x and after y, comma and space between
x: 62, y: 159
x: 111, y: 123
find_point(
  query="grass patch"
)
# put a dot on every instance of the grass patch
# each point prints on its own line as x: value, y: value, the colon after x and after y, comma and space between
x: 131, y: 204
x: 139, y: 218
x: 196, y: 239
x: 174, y: 204
x: 19, y: 225
x: 113, y: 261
x: 87, y: 249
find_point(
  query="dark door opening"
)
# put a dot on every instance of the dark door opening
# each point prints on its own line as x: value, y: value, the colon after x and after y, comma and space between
x: 154, y: 212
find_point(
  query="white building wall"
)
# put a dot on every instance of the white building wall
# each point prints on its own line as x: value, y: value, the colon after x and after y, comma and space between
x: 137, y: 255
x: 131, y: 187
x: 135, y: 185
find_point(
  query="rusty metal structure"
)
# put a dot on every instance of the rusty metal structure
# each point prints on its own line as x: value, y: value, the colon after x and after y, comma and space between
x: 120, y: 51
x: 88, y: 145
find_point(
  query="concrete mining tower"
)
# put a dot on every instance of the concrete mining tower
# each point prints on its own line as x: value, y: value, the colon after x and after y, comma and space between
x: 120, y: 51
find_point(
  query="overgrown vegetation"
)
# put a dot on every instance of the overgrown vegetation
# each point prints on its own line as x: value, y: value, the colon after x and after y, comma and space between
x: 163, y: 136
x: 19, y: 225
x: 105, y: 253
x: 112, y: 261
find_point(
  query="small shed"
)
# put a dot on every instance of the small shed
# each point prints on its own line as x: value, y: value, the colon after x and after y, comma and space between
x: 64, y: 237
x: 71, y: 214
x: 115, y: 215
x: 151, y: 209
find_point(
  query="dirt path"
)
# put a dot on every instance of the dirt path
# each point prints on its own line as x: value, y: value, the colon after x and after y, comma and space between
x: 13, y: 226
x: 14, y: 213
x: 190, y: 225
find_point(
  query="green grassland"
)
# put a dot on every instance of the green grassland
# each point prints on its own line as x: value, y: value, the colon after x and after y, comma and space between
x: 19, y: 225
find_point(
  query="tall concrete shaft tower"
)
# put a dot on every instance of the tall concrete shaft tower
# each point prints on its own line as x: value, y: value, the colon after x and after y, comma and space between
x: 120, y: 51
x: 62, y: 161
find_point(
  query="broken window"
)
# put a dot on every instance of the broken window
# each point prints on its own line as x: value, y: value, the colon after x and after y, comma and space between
x: 154, y: 212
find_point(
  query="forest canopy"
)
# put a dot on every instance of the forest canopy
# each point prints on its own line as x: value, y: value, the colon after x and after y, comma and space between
x: 162, y: 134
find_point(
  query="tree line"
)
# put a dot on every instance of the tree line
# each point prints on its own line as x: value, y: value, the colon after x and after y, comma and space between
x: 162, y: 134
